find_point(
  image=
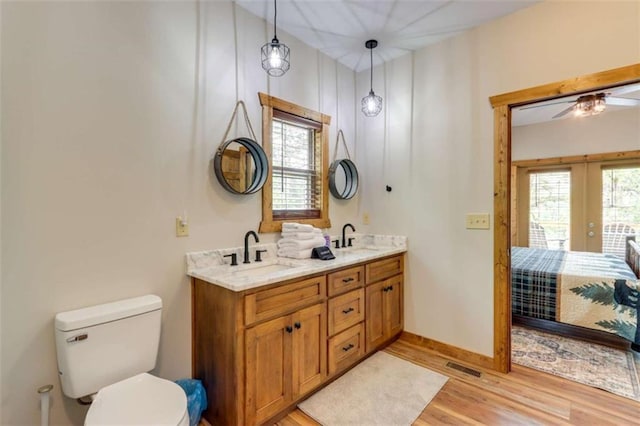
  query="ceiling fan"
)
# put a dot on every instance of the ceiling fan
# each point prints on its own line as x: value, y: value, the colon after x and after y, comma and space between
x: 595, y: 103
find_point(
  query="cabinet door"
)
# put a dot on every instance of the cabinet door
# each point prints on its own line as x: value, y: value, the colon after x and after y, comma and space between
x: 309, y: 348
x: 374, y: 309
x: 393, y: 301
x: 268, y: 368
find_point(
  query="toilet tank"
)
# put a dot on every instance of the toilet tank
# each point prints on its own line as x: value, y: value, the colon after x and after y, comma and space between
x: 103, y: 344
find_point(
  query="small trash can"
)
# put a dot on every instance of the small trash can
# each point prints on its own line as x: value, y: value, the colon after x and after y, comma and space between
x: 196, y: 398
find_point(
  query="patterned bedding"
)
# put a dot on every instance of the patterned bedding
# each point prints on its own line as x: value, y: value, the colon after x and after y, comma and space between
x: 593, y: 290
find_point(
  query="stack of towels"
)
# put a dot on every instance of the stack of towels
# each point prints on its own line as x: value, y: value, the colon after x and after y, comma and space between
x: 298, y: 240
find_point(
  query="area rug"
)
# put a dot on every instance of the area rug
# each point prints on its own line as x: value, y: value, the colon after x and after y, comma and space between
x: 602, y: 367
x: 382, y: 390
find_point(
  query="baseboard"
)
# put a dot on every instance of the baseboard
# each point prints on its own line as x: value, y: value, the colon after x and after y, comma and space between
x: 455, y: 352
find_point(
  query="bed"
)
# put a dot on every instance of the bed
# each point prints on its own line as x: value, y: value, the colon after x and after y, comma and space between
x: 591, y: 290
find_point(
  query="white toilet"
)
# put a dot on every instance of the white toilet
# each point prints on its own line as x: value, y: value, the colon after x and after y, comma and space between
x: 108, y: 349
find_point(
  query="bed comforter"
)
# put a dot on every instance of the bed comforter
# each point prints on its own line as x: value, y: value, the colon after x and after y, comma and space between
x: 593, y: 290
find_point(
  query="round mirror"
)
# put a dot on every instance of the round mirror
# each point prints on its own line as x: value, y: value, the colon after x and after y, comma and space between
x: 241, y: 166
x: 343, y: 179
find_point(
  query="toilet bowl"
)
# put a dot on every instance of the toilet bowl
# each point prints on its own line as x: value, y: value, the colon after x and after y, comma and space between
x: 140, y: 400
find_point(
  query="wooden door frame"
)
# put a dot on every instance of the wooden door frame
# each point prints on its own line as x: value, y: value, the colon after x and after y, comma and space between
x: 502, y: 105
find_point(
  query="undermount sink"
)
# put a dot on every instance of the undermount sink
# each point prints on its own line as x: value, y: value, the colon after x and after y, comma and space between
x: 263, y: 269
x: 366, y: 249
x: 260, y: 269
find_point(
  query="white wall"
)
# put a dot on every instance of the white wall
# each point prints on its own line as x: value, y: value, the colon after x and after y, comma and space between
x: 614, y: 131
x: 111, y: 112
x: 438, y: 150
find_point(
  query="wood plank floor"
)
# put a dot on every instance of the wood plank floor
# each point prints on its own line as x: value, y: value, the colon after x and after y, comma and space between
x: 524, y: 396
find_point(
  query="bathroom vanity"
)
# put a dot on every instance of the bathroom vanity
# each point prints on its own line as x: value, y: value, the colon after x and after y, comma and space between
x: 267, y: 335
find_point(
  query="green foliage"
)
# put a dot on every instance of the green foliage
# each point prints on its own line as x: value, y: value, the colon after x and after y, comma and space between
x: 621, y: 328
x: 601, y: 294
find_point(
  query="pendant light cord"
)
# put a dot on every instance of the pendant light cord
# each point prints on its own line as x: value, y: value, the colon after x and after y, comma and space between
x: 275, y: 17
x: 371, y: 71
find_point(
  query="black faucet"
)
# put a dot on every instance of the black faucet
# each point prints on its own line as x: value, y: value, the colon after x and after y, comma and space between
x: 344, y: 228
x: 246, y: 244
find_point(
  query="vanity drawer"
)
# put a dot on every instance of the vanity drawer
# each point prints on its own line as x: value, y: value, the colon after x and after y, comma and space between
x: 280, y: 300
x: 382, y: 269
x: 345, y: 280
x: 346, y: 348
x: 346, y: 310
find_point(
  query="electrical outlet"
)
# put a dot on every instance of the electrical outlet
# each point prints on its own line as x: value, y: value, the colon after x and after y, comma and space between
x: 365, y: 218
x: 182, y: 227
x: 478, y: 221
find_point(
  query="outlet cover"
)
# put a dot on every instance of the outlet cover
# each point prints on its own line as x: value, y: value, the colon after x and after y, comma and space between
x: 478, y: 221
x: 365, y: 218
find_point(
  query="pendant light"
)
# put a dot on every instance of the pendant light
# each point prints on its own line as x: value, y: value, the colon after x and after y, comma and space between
x: 371, y: 104
x: 275, y: 55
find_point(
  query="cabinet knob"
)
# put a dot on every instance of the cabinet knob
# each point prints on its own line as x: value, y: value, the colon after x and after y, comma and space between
x: 297, y: 325
x: 348, y: 348
x: 346, y: 311
x: 289, y: 329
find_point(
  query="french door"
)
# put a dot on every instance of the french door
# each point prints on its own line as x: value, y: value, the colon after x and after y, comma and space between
x: 579, y: 206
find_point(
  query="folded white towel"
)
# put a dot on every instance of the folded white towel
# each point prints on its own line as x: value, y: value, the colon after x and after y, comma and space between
x: 293, y: 244
x: 295, y: 254
x: 302, y: 235
x: 297, y: 227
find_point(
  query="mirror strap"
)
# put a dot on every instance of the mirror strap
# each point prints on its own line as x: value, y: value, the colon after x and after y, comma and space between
x: 335, y: 151
x: 246, y: 119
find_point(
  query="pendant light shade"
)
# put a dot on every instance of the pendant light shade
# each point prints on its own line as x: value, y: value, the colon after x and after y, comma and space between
x: 372, y: 103
x: 275, y: 55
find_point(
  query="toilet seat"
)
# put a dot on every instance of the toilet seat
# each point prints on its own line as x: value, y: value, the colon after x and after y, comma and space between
x: 139, y: 400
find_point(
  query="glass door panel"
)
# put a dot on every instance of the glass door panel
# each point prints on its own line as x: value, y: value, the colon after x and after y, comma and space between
x: 550, y: 209
x: 620, y: 207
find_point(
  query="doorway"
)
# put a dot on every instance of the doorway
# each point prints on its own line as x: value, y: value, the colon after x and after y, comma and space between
x: 502, y: 105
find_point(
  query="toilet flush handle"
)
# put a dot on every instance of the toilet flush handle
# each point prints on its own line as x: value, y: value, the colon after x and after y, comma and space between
x: 78, y: 338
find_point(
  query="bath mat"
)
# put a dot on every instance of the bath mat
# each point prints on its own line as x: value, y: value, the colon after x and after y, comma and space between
x: 602, y: 367
x: 382, y: 390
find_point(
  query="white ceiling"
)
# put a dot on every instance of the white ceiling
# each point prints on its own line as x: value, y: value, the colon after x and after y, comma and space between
x: 339, y: 28
x: 544, y: 111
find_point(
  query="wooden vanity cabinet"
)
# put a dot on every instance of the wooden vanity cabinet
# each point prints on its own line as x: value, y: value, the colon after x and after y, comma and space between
x: 384, y: 311
x: 260, y: 351
x: 285, y: 358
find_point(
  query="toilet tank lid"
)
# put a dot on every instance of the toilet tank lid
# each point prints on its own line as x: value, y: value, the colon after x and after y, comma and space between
x: 100, y: 314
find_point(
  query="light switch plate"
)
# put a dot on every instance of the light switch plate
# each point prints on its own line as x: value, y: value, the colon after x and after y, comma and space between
x: 182, y: 227
x: 478, y: 221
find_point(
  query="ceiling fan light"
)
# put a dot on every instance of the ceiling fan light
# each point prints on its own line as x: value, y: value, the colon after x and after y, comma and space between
x: 371, y: 104
x: 599, y: 105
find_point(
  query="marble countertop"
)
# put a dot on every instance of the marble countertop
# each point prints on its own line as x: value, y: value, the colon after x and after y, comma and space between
x: 212, y: 267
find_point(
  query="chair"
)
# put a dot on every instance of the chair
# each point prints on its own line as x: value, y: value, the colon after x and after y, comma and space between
x: 614, y: 238
x: 537, y: 237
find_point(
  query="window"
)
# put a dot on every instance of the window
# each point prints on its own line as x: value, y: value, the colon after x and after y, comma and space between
x: 295, y: 140
x: 550, y: 209
x: 584, y: 203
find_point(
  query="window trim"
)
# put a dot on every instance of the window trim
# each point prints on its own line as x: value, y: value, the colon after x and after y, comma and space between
x: 269, y: 104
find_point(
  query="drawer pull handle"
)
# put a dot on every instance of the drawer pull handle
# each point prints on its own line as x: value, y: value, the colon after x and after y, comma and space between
x: 390, y: 288
x: 297, y: 325
x: 289, y: 329
x: 348, y: 348
x: 346, y: 311
x: 347, y: 280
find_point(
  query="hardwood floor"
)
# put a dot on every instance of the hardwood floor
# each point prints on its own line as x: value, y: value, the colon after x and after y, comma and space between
x: 524, y: 396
